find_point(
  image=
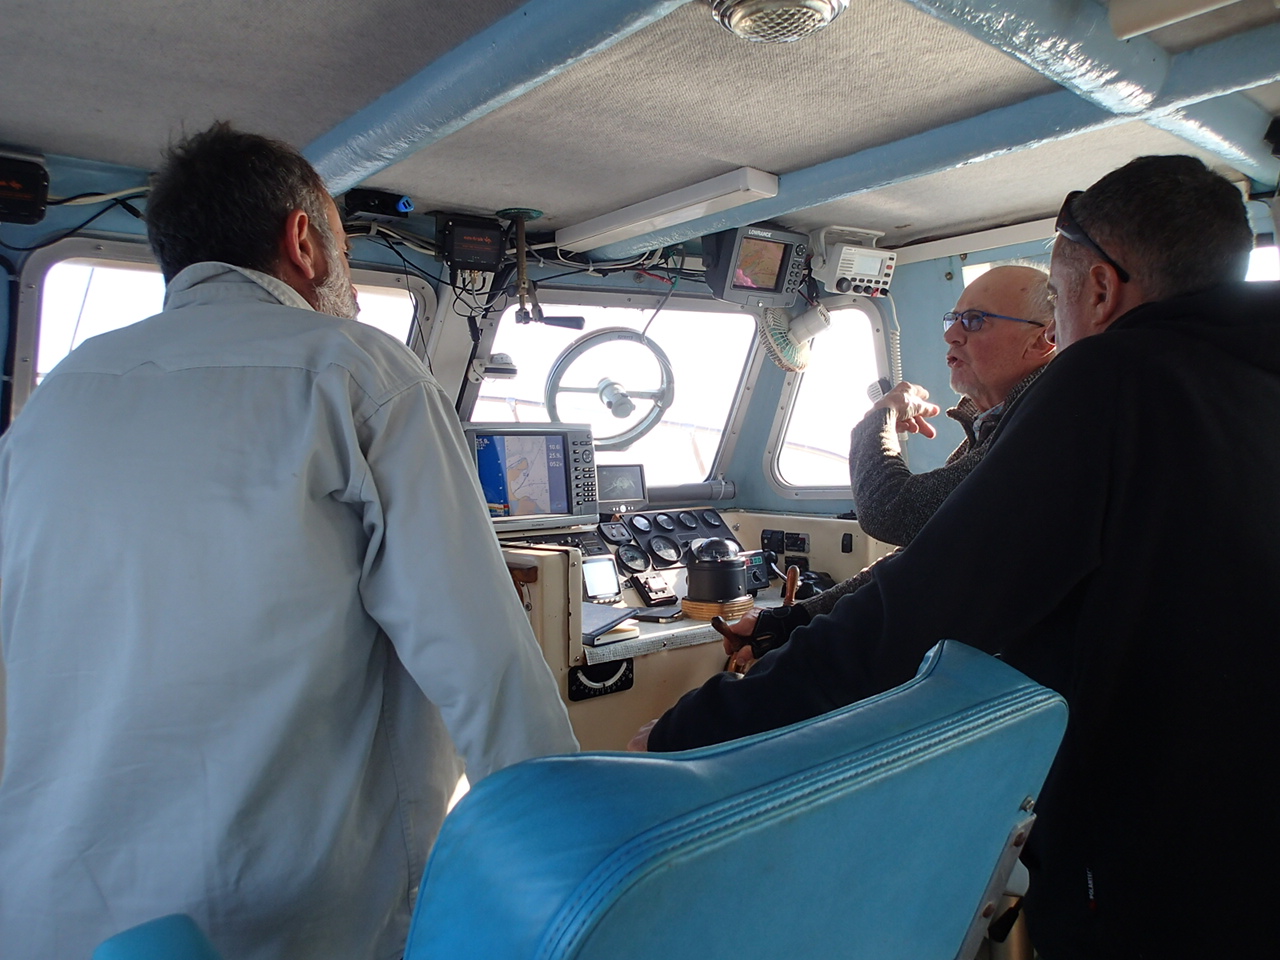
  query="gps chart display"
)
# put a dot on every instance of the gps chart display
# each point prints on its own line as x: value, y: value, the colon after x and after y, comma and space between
x: 522, y: 476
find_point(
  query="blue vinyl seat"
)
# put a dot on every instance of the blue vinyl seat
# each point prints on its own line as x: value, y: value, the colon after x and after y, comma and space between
x: 883, y: 830
x: 175, y: 937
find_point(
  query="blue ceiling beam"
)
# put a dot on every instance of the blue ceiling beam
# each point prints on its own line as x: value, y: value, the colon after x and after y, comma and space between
x: 1072, y: 44
x: 1207, y: 77
x: 1230, y: 127
x: 1224, y: 67
x: 1040, y: 120
x: 521, y: 51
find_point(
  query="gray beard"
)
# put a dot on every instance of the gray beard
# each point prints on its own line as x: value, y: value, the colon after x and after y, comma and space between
x: 335, y: 296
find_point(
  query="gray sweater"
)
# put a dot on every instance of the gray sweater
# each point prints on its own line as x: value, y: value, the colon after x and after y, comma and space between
x: 894, y: 503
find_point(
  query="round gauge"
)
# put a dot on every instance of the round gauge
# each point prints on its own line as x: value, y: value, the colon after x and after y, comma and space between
x: 664, y: 548
x: 641, y: 524
x: 664, y: 521
x: 711, y: 518
x: 633, y: 558
x: 687, y: 520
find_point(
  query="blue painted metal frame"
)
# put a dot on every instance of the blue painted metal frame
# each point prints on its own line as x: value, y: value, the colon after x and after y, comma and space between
x: 1209, y: 73
x: 1043, y: 119
x: 514, y: 55
x: 923, y: 293
x: 1073, y: 45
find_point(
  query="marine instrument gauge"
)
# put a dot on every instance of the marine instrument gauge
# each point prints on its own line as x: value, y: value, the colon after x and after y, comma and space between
x: 665, y: 549
x: 640, y: 524
x: 687, y: 520
x: 664, y: 521
x: 633, y: 558
x: 711, y: 518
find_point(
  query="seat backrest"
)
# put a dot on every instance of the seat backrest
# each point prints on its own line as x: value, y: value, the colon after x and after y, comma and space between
x: 877, y: 831
x: 175, y: 937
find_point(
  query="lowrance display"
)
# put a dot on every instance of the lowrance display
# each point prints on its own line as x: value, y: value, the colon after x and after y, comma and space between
x: 535, y: 475
x: 759, y: 266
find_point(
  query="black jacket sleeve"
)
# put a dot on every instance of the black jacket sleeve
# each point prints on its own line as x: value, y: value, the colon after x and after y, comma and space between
x: 995, y: 568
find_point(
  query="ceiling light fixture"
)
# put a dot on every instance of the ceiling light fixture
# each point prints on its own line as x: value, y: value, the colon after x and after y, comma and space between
x: 680, y: 206
x: 775, y: 21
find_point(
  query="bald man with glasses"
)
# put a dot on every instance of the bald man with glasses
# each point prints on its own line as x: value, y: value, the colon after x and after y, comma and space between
x: 997, y: 344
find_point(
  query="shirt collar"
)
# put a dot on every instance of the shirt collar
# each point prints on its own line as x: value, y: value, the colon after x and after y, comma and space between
x: 966, y: 412
x: 179, y: 289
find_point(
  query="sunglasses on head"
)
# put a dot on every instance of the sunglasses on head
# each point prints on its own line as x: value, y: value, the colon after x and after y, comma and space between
x: 1070, y: 228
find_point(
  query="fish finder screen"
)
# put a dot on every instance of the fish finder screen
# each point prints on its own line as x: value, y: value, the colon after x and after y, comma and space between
x: 759, y: 264
x: 524, y: 475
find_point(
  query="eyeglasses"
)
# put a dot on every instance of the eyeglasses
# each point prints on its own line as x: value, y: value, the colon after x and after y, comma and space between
x: 1071, y: 229
x: 973, y: 320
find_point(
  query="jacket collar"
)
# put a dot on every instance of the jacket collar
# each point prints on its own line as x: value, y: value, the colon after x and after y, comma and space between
x: 212, y: 281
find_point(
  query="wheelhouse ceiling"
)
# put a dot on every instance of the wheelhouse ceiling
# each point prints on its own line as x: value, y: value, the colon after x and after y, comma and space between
x: 676, y: 101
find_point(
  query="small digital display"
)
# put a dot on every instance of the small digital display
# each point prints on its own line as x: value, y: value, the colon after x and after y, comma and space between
x: 621, y: 487
x: 759, y: 265
x: 600, y: 578
x: 866, y: 265
x: 523, y: 475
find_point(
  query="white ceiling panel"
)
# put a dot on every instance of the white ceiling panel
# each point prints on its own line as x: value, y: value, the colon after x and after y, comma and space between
x: 678, y: 102
x: 116, y: 81
x: 683, y: 100
x: 1013, y: 188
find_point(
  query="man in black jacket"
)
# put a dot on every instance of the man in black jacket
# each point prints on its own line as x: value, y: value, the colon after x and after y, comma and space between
x: 1072, y: 551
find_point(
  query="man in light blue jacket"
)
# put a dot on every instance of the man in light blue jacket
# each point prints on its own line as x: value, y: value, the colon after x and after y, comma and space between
x: 251, y: 599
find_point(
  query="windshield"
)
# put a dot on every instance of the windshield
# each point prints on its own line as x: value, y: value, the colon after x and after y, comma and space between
x: 706, y: 351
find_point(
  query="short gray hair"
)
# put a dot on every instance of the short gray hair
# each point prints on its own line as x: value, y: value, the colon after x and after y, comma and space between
x: 1170, y: 221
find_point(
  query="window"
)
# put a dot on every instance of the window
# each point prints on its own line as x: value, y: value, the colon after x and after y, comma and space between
x: 1264, y: 263
x: 707, y: 349
x: 830, y: 397
x: 82, y: 298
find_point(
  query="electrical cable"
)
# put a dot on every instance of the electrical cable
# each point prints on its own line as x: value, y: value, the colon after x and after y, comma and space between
x: 653, y: 316
x: 84, y: 199
x: 122, y: 202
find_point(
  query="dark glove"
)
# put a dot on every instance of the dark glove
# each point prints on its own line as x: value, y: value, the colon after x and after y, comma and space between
x: 773, y: 628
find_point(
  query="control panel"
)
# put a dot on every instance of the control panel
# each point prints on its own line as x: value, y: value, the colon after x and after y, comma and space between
x: 661, y: 538
x: 852, y: 269
x: 582, y: 465
x: 650, y: 551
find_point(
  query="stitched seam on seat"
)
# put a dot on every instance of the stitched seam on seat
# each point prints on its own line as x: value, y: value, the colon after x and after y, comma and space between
x: 648, y: 851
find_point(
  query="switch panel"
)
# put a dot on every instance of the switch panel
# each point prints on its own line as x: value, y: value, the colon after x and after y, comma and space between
x: 797, y: 542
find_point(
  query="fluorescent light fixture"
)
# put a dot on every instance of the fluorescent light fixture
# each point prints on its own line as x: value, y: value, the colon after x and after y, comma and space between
x: 680, y: 206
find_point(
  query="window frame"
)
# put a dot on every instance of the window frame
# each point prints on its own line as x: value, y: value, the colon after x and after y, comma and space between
x: 36, y: 269
x: 647, y: 299
x: 790, y: 388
